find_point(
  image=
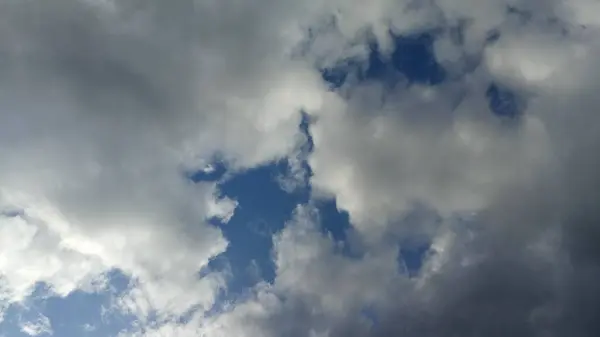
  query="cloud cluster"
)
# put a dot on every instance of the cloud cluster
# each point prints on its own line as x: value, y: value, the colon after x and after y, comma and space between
x: 107, y: 106
x: 524, y: 264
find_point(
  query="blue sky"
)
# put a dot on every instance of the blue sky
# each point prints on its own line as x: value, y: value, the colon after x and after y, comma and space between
x: 322, y: 168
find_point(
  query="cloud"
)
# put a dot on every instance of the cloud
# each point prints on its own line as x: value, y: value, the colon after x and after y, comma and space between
x: 311, y: 292
x: 415, y: 147
x: 522, y: 265
x: 106, y: 106
x: 41, y: 326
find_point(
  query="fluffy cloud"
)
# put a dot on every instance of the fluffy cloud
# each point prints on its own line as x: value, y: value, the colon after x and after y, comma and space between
x: 377, y: 161
x: 524, y: 264
x: 311, y: 293
x: 105, y: 106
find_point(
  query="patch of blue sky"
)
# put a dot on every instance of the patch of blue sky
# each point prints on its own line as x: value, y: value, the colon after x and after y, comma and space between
x: 503, y: 102
x: 414, y: 237
x: 411, y: 257
x: 412, y: 60
x: 263, y: 209
x: 13, y: 318
x: 414, y: 57
x: 89, y: 314
x: 334, y: 222
x: 80, y: 314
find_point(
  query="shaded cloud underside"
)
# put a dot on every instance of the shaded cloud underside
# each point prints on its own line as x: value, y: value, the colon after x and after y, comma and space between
x: 106, y: 107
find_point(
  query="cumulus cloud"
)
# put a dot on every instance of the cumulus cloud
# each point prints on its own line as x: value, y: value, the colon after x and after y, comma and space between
x: 523, y: 264
x: 106, y: 106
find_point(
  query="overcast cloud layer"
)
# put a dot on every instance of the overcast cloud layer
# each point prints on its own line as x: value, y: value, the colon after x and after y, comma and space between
x: 107, y: 107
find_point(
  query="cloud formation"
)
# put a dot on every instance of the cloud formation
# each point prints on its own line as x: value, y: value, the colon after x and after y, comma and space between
x: 106, y: 107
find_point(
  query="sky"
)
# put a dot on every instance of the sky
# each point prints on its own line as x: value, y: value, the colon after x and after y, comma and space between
x: 283, y: 168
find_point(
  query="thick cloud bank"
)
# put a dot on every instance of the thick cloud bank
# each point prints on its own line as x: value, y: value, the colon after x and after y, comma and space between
x: 107, y: 107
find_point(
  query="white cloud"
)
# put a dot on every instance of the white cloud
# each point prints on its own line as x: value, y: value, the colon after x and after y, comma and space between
x: 41, y: 326
x: 377, y: 161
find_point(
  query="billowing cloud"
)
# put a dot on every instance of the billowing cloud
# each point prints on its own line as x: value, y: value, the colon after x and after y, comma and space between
x: 106, y: 107
x: 522, y: 265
